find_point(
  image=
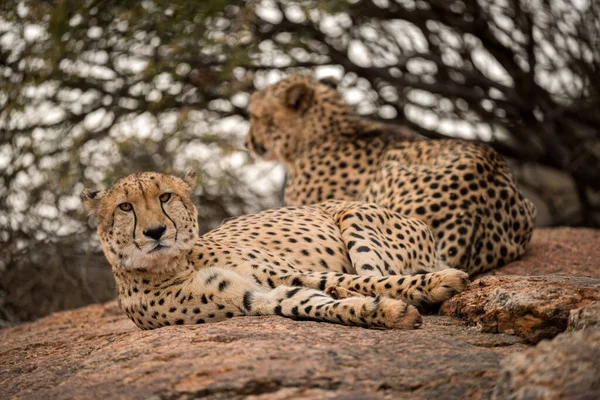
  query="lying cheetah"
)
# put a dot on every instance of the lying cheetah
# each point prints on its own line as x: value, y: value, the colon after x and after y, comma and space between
x: 288, y: 261
x: 464, y: 191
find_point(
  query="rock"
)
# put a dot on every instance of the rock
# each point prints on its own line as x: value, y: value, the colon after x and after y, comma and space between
x: 567, y: 367
x: 584, y: 317
x: 96, y: 352
x: 535, y: 307
x: 573, y: 251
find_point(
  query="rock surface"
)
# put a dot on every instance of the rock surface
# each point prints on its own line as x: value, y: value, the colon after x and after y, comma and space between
x: 534, y: 307
x: 567, y: 367
x: 573, y: 251
x: 95, y: 352
x: 584, y: 317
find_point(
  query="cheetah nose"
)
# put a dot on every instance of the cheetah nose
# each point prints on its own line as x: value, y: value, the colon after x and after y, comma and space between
x: 260, y: 149
x: 155, y: 232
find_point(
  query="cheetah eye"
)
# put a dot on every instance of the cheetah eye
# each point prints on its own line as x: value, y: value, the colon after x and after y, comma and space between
x: 164, y: 197
x: 126, y: 207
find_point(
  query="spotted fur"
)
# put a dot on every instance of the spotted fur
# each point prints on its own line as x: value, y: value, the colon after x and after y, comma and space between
x: 464, y: 191
x: 285, y: 261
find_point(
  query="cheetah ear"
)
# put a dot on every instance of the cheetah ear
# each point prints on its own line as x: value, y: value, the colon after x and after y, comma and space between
x: 190, y: 179
x: 299, y: 97
x: 330, y: 81
x: 91, y: 199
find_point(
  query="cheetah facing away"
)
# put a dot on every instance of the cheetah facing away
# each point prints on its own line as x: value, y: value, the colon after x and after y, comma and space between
x: 343, y: 262
x: 464, y: 191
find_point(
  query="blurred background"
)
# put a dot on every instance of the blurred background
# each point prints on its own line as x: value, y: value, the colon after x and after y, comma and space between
x: 93, y: 90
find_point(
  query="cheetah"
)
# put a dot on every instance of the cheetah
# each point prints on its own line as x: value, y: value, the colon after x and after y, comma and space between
x: 463, y: 190
x: 344, y: 262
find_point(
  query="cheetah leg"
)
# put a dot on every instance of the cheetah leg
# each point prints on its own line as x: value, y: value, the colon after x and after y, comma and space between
x: 223, y: 293
x: 418, y: 290
x: 381, y: 242
x: 369, y: 312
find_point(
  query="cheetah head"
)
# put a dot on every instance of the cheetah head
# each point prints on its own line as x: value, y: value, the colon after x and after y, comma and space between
x: 145, y: 220
x: 291, y: 115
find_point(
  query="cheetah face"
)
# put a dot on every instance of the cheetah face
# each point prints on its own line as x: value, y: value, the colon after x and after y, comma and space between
x: 272, y: 128
x: 145, y: 220
x: 283, y: 116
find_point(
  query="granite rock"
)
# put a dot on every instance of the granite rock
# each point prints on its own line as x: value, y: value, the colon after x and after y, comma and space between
x: 567, y: 367
x: 533, y: 307
x: 96, y: 352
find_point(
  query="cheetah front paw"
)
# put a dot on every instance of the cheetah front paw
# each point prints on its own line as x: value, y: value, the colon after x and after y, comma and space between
x: 445, y: 284
x: 397, y: 314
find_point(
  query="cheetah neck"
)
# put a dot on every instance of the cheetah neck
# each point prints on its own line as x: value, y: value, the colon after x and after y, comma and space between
x: 319, y: 130
x: 339, y: 168
x: 131, y: 281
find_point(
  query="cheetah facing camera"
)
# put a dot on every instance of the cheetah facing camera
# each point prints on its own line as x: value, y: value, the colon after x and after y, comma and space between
x: 342, y: 262
x: 464, y: 191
